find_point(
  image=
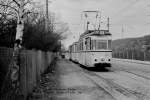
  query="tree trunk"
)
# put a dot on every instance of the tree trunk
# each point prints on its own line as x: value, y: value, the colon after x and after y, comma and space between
x: 17, y: 46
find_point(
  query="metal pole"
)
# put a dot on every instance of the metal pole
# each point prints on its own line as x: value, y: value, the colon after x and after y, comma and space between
x: 144, y: 55
x: 127, y: 54
x: 132, y: 53
x: 122, y: 32
x: 47, y: 19
x: 108, y: 25
x: 123, y: 54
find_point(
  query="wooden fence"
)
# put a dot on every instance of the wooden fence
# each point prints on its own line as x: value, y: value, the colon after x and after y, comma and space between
x: 32, y: 65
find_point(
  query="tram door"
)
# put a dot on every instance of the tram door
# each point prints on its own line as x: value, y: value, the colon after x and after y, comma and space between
x: 88, y: 53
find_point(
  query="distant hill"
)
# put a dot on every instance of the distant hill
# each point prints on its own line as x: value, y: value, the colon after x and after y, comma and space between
x: 131, y: 42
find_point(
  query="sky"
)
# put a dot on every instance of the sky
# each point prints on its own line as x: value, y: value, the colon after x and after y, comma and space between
x: 128, y: 18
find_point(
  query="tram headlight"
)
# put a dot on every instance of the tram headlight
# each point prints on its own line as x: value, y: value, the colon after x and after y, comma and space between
x: 95, y: 60
x: 102, y: 59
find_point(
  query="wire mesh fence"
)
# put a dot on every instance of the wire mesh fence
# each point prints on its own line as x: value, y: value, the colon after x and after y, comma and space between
x: 134, y: 54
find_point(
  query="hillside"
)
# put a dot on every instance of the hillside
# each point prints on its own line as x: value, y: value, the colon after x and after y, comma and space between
x: 131, y: 42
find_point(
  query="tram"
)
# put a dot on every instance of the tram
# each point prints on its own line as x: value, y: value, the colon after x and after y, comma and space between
x: 93, y: 49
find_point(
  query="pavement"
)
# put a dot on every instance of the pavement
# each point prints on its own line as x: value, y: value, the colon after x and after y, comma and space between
x: 69, y: 81
x: 74, y: 85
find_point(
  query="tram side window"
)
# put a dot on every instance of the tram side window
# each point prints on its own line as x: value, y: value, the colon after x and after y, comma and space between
x: 109, y: 44
x: 88, y: 43
x: 81, y: 45
x: 75, y: 47
x: 93, y: 42
x: 70, y: 49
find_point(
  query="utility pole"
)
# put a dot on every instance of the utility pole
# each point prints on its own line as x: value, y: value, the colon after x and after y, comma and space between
x: 47, y: 19
x: 122, y: 31
x: 108, y: 25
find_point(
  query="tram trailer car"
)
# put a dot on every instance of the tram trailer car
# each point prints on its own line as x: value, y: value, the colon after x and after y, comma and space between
x: 93, y: 49
x: 73, y: 52
x: 67, y: 55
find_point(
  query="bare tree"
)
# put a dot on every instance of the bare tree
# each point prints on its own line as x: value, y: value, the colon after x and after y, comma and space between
x: 46, y: 40
x: 16, y: 9
x: 36, y: 21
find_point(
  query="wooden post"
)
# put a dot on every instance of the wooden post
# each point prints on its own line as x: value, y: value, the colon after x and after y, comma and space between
x: 127, y: 53
x: 144, y: 54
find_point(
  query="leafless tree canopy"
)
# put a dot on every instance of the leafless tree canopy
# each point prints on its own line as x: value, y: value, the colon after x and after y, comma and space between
x: 34, y: 34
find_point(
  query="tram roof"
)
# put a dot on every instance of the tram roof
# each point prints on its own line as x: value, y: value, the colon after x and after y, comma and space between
x: 96, y: 33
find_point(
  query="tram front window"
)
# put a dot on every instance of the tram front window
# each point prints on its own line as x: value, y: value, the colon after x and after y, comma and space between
x: 99, y: 44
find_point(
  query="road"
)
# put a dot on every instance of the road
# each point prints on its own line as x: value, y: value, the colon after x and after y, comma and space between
x: 134, y: 68
x: 124, y: 81
x: 76, y: 85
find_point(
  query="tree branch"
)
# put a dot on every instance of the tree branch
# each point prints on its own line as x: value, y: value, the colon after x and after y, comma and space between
x: 26, y: 13
x: 8, y: 14
x: 9, y: 7
x: 28, y: 1
x: 16, y: 3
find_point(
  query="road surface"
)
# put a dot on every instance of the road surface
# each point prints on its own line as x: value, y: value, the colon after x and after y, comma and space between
x: 124, y: 81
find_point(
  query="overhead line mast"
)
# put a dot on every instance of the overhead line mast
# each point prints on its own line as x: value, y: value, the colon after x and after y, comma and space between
x: 108, y: 24
x: 47, y: 19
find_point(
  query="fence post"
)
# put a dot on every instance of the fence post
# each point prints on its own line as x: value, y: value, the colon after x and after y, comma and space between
x: 132, y: 53
x: 122, y: 54
x: 126, y: 53
x: 144, y: 54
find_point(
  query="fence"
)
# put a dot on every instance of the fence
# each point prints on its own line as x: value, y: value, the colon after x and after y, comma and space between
x: 132, y: 54
x: 5, y: 58
x: 32, y: 65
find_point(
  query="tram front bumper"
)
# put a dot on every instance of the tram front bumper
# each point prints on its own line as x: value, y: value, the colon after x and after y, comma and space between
x: 102, y: 65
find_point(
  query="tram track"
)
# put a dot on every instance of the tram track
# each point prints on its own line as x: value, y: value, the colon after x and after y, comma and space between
x: 138, y: 93
x: 114, y: 89
x: 143, y: 78
x: 131, y: 72
x: 138, y: 75
x: 100, y: 87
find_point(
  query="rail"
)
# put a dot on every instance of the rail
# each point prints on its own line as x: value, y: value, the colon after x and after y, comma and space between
x: 133, y: 61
